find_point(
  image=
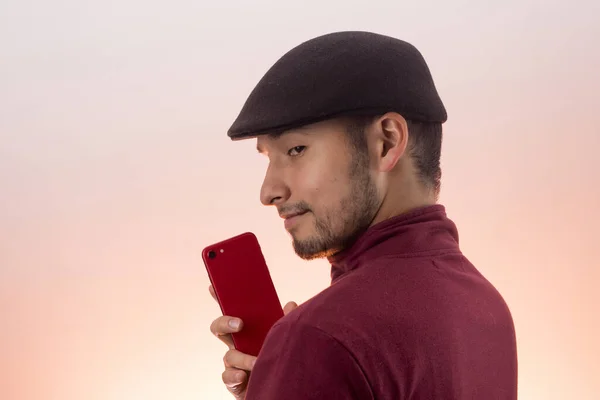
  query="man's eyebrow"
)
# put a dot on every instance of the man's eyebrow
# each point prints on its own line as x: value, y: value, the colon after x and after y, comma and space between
x: 273, y: 135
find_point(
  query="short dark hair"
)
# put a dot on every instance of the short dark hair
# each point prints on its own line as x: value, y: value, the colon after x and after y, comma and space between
x: 424, y: 146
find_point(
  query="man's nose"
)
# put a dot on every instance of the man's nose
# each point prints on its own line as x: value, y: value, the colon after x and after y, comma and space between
x: 274, y: 190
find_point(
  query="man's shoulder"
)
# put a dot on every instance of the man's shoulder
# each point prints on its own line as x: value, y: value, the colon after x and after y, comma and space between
x: 314, y: 325
x: 320, y: 363
x: 337, y: 313
x: 328, y: 305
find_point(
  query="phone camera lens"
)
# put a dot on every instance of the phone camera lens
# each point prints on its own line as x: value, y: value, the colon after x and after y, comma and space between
x: 212, y: 254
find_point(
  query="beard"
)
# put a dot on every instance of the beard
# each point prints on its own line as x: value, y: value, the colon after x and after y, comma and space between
x: 337, y: 229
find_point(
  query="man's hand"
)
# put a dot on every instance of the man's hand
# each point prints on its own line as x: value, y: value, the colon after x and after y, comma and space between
x: 237, y: 364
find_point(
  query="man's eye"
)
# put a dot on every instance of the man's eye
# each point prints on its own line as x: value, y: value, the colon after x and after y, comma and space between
x: 295, y: 151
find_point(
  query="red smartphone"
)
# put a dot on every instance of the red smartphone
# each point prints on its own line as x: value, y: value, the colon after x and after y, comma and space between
x: 240, y: 277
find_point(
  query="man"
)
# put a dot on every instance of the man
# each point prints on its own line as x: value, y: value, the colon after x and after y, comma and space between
x: 351, y: 125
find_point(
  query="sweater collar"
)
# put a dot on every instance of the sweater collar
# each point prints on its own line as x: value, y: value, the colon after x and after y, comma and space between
x: 417, y: 232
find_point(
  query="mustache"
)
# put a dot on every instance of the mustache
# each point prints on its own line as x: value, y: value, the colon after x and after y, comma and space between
x: 298, y: 208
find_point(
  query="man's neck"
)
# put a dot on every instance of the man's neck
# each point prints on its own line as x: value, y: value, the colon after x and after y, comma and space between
x: 401, y: 203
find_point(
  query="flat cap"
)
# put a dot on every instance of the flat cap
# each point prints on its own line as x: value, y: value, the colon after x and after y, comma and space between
x: 341, y: 73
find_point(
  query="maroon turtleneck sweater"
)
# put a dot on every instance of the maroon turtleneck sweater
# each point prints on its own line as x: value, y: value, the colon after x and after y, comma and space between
x: 407, y: 316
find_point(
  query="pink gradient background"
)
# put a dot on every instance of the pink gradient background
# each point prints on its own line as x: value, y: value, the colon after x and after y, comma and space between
x: 115, y: 171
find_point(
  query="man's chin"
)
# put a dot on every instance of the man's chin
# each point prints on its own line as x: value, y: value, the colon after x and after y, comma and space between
x: 310, y: 249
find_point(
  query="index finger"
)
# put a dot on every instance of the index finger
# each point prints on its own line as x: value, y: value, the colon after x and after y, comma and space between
x: 222, y: 328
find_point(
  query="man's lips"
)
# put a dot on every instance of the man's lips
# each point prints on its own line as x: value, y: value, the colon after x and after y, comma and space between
x: 292, y: 215
x: 292, y: 218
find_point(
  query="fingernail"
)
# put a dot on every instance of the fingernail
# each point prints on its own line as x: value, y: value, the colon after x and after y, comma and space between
x: 234, y: 323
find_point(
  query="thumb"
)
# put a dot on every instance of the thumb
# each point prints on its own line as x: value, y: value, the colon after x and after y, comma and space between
x: 289, y: 307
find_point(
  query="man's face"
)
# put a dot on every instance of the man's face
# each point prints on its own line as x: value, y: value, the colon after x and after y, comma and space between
x: 321, y: 185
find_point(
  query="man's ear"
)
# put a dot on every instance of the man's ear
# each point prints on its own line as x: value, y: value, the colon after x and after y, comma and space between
x: 391, y: 135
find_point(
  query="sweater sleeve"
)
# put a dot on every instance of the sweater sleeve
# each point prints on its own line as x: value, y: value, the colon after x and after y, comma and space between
x: 300, y: 361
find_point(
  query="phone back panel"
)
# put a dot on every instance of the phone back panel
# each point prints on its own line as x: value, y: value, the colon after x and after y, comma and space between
x: 242, y: 282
